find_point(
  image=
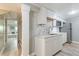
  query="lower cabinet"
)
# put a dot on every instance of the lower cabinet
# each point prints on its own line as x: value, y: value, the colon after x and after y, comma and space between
x: 52, y: 46
x: 47, y: 46
x: 63, y: 37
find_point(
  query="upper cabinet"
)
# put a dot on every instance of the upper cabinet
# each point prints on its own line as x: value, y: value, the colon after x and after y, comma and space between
x: 42, y: 16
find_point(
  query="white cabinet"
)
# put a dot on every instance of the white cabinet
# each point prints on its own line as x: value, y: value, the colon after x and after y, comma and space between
x: 47, y: 46
x: 52, y: 45
x: 42, y: 16
x: 63, y: 38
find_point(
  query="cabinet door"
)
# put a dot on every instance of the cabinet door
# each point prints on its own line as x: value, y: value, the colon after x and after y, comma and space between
x: 62, y: 38
x: 58, y: 43
x: 50, y: 46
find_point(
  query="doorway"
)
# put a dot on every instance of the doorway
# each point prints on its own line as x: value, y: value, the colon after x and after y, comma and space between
x: 9, y: 34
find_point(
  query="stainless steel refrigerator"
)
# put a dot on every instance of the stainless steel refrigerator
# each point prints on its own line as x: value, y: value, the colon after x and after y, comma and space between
x: 67, y: 27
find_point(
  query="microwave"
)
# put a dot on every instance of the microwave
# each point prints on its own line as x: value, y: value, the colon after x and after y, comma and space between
x: 57, y: 23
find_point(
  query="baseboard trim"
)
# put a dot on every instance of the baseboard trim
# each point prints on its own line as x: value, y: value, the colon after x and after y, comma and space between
x: 75, y: 42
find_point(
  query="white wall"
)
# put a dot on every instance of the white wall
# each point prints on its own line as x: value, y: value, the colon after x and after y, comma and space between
x: 25, y: 9
x: 75, y: 29
x: 33, y: 27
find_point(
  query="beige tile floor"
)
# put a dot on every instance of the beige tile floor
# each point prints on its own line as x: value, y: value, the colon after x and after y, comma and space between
x: 10, y: 53
x: 10, y: 48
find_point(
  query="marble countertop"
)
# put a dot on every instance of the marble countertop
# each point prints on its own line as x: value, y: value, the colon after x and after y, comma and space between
x: 50, y: 35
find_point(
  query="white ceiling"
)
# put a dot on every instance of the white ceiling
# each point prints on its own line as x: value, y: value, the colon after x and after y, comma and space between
x: 63, y: 9
x: 5, y: 7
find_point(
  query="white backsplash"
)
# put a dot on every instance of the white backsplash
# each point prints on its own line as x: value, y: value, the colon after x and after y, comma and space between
x: 54, y: 30
x: 43, y: 30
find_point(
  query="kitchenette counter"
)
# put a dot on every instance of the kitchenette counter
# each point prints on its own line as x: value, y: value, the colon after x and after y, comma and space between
x: 50, y: 35
x: 48, y: 45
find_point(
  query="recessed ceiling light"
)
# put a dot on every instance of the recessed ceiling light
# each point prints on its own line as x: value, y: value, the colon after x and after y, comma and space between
x: 72, y: 12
